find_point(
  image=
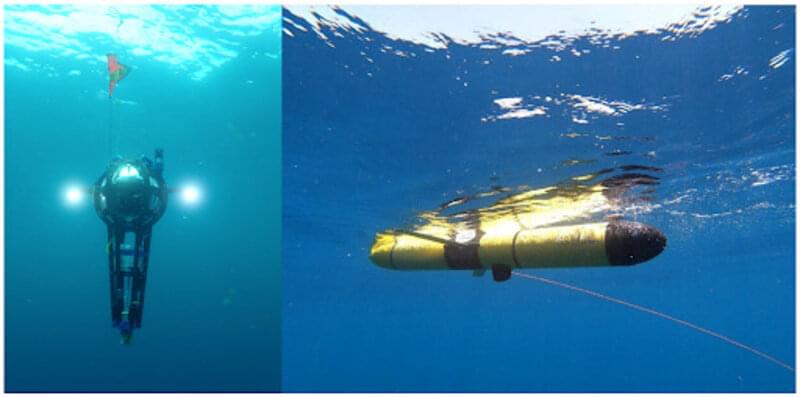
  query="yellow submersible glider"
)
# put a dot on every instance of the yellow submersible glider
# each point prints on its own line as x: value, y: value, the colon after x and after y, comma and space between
x: 543, y: 228
x: 553, y: 227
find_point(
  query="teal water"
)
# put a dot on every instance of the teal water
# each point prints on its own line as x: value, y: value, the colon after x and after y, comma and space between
x: 206, y: 88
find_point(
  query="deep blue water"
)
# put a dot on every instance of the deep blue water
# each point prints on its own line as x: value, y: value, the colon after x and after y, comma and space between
x: 211, y: 99
x: 367, y: 144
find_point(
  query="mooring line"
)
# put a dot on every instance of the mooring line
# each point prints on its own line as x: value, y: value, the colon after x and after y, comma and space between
x: 658, y: 314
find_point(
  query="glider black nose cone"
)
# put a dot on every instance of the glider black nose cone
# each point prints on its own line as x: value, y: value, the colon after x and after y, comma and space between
x: 629, y: 243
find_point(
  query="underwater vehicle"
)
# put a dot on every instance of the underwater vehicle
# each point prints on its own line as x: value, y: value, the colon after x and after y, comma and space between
x: 595, y: 244
x: 542, y: 228
x: 130, y: 197
x: 522, y: 231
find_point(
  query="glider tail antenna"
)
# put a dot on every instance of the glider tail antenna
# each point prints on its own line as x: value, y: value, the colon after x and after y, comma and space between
x: 659, y: 314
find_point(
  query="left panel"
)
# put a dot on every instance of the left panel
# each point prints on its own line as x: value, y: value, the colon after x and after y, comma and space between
x: 142, y: 198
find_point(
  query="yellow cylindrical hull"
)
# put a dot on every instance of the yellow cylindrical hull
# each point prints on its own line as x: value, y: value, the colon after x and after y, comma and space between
x: 594, y: 244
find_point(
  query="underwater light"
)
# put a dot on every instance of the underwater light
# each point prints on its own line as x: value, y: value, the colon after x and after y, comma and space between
x: 190, y: 195
x: 73, y: 195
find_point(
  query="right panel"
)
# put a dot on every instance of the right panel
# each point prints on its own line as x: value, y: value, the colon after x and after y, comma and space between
x: 539, y: 199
